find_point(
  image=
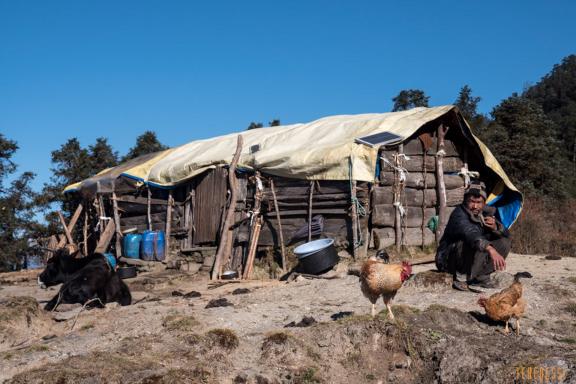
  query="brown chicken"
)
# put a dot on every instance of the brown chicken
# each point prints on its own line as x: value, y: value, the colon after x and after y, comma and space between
x: 378, y: 278
x: 506, y: 304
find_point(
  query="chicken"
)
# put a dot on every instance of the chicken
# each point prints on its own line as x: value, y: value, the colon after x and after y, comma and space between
x: 506, y: 304
x: 379, y: 278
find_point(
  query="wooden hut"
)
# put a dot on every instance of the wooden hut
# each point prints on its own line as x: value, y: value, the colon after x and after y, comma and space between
x: 377, y: 180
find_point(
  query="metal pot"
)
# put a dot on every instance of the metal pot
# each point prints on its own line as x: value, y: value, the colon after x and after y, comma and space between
x: 229, y: 275
x: 316, y: 256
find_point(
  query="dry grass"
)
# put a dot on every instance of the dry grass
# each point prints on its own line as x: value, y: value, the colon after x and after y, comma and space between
x: 181, y: 323
x: 545, y: 227
x: 570, y: 308
x: 223, y: 337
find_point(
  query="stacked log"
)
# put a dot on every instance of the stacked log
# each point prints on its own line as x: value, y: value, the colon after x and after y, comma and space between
x: 419, y: 196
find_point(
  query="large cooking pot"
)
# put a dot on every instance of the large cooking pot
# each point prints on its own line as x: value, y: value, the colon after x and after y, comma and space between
x: 316, y: 256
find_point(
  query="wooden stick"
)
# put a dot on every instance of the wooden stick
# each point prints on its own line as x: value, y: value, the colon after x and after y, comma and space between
x: 105, y: 238
x: 354, y: 218
x: 85, y: 232
x: 168, y: 225
x: 252, y: 249
x: 423, y: 193
x: 185, y: 241
x: 117, y: 225
x: 226, y: 240
x: 255, y: 230
x: 72, y: 223
x: 280, y: 233
x: 192, y: 228
x: 149, y: 209
x: 397, y: 199
x: 310, y: 211
x: 66, y: 231
x: 440, y: 186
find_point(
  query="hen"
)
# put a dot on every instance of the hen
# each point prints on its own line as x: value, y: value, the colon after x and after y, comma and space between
x: 379, y: 278
x: 506, y: 304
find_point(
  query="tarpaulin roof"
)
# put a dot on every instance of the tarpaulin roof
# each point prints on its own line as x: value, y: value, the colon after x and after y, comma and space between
x: 320, y: 150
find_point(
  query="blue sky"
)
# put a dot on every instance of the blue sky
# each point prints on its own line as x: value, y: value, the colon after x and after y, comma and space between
x: 191, y: 70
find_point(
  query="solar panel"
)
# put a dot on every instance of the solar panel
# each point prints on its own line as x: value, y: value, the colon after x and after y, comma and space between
x: 382, y: 138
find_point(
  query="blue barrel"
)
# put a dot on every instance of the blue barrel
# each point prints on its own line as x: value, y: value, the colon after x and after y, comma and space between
x: 131, y: 245
x: 153, y: 244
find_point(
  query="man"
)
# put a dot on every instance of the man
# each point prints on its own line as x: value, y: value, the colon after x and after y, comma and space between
x: 474, y: 243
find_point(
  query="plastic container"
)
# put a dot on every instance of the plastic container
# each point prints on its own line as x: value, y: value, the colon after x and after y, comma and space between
x: 111, y: 260
x: 316, y: 256
x: 131, y: 244
x: 152, y: 247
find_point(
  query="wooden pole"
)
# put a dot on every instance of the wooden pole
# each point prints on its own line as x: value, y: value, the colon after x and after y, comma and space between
x: 168, y: 226
x: 192, y: 229
x: 255, y: 230
x: 72, y: 223
x: 66, y: 231
x: 440, y: 186
x: 149, y: 208
x: 117, y: 226
x: 397, y: 198
x: 105, y: 238
x: 280, y: 233
x: 310, y: 211
x: 424, y: 178
x: 226, y: 240
x: 85, y: 232
x: 354, y: 213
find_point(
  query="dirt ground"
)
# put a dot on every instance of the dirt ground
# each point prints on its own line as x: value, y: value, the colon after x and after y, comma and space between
x: 169, y: 336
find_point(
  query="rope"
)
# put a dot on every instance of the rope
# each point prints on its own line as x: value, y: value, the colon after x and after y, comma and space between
x: 464, y: 172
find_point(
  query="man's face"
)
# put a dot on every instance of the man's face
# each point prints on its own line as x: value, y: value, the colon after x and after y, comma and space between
x: 475, y: 204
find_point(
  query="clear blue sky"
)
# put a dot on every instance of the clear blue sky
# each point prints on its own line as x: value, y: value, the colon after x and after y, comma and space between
x: 191, y: 69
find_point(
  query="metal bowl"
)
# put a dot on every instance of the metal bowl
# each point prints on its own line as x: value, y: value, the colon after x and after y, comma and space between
x: 229, y: 275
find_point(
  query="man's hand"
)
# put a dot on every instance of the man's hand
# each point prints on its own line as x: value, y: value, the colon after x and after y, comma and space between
x: 497, y: 259
x: 490, y: 222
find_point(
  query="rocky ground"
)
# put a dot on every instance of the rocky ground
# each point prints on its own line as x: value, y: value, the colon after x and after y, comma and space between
x: 302, y: 331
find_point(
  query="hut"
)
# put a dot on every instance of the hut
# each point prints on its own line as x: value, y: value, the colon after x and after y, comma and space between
x: 368, y: 180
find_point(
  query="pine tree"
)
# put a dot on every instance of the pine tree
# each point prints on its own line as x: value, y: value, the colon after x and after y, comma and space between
x: 468, y: 106
x: 408, y: 99
x: 16, y: 208
x: 145, y: 143
x: 524, y: 140
x: 254, y: 125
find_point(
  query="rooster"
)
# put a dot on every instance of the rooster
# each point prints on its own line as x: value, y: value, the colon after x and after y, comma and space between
x: 506, y: 304
x: 379, y: 278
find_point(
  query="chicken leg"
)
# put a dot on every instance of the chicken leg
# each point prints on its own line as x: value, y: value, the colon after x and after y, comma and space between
x: 506, y: 330
x: 390, y: 314
x: 373, y: 310
x: 517, y: 327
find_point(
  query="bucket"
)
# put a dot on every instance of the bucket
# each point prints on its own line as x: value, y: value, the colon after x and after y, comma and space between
x: 131, y: 244
x: 316, y: 256
x: 152, y: 247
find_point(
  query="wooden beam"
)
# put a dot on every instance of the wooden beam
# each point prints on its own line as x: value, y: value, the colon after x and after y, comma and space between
x: 226, y: 240
x: 149, y: 208
x: 310, y: 210
x: 255, y: 230
x: 280, y: 232
x: 85, y: 233
x: 168, y: 226
x: 117, y: 225
x: 72, y: 224
x: 354, y: 215
x: 106, y: 237
x: 66, y: 231
x: 397, y: 197
x: 440, y: 186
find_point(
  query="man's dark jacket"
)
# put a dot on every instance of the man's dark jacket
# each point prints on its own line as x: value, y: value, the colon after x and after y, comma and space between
x: 464, y: 226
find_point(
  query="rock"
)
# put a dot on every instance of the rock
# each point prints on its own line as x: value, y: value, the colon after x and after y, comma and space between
x: 305, y: 322
x: 240, y: 291
x: 431, y: 279
x: 223, y: 302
